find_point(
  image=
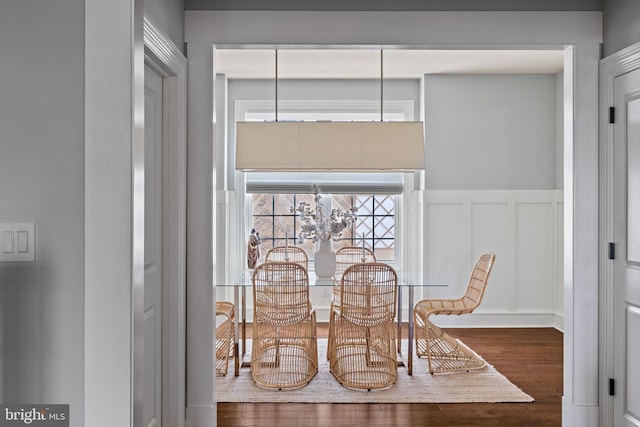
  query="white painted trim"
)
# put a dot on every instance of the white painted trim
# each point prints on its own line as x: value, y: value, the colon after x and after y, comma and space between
x: 201, y: 244
x: 611, y: 67
x: 418, y: 28
x: 162, y: 54
x: 114, y: 213
x: 161, y: 51
x: 581, y: 386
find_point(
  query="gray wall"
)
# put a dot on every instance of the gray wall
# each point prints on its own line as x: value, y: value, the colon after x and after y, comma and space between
x: 482, y: 131
x: 168, y: 15
x: 42, y: 180
x: 490, y: 132
x: 621, y: 25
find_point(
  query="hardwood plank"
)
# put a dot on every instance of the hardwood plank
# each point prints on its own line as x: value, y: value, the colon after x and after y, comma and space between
x: 531, y: 358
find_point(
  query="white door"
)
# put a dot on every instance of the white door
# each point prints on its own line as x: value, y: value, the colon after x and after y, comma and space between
x: 152, y: 409
x: 626, y: 232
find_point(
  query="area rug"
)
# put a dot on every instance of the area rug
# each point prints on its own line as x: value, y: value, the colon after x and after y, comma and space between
x: 484, y: 385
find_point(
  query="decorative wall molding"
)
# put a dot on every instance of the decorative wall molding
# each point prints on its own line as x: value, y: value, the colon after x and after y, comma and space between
x: 161, y: 51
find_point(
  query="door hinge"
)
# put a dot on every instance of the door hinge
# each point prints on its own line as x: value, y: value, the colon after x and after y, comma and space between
x: 612, y: 251
x: 612, y: 115
x: 612, y: 387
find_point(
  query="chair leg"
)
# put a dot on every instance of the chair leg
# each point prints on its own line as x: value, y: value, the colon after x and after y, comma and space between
x: 225, y: 337
x: 446, y: 353
x: 330, y: 331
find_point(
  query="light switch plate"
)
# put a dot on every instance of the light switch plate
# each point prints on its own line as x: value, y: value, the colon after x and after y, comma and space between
x: 17, y: 241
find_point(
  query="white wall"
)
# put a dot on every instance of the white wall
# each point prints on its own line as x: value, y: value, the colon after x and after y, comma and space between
x: 41, y: 180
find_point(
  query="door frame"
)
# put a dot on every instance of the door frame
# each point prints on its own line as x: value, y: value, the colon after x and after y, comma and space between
x: 578, y: 34
x: 611, y: 67
x: 161, y: 54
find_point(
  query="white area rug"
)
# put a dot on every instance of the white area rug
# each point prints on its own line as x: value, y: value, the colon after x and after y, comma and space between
x: 482, y: 385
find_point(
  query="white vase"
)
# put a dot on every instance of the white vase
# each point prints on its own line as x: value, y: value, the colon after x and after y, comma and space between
x: 324, y: 260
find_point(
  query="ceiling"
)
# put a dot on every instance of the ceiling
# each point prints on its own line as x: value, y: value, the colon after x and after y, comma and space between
x: 397, y: 63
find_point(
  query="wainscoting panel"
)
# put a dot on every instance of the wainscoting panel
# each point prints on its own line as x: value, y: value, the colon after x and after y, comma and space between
x: 523, y: 228
x: 446, y: 229
x: 489, y: 233
x: 534, y: 282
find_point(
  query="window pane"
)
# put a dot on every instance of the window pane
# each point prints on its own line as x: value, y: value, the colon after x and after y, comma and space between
x: 384, y: 205
x: 384, y: 227
x: 264, y: 226
x: 282, y: 204
x: 342, y: 201
x: 364, y: 204
x: 304, y: 198
x: 283, y: 226
x: 262, y: 204
x: 364, y: 226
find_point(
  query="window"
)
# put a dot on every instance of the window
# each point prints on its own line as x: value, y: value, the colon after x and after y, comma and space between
x: 272, y: 218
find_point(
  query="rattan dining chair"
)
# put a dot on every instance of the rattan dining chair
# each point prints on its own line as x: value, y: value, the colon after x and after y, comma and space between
x: 349, y: 255
x: 443, y: 352
x: 294, y: 253
x: 345, y: 257
x: 225, y: 336
x: 284, y: 346
x: 362, y: 331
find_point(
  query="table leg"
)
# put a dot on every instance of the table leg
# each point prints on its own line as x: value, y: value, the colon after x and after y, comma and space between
x: 399, y: 320
x: 410, y: 343
x: 244, y: 321
x: 236, y: 341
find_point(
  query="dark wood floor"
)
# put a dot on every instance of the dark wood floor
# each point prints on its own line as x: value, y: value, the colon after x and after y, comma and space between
x: 530, y: 357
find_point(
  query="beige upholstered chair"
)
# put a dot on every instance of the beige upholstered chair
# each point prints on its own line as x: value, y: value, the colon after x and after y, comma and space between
x: 294, y: 253
x: 225, y: 336
x: 443, y: 352
x: 362, y: 333
x: 349, y: 255
x: 284, y: 347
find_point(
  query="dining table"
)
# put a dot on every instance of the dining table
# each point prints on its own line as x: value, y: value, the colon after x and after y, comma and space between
x: 407, y: 280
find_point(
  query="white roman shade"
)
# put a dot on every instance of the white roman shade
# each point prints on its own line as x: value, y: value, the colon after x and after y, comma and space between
x: 330, y: 146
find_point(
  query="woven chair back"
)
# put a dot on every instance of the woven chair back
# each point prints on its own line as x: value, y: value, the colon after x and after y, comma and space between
x: 294, y: 253
x: 349, y: 255
x: 478, y: 281
x: 280, y: 292
x: 368, y: 293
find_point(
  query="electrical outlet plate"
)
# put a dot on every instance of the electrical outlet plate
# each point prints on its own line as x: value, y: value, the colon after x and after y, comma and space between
x: 17, y: 241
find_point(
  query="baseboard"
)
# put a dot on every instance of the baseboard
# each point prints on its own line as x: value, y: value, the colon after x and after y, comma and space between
x: 198, y: 416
